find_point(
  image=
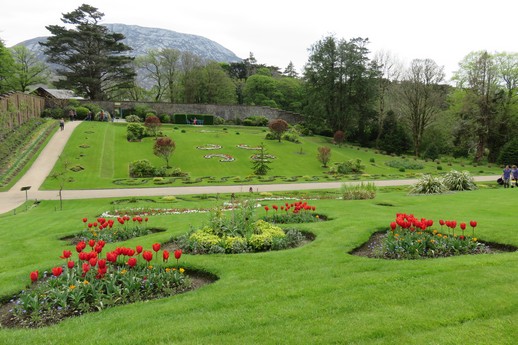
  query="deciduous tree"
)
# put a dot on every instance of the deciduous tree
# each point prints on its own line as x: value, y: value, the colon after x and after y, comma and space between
x: 27, y: 70
x: 164, y: 148
x: 324, y: 155
x: 278, y: 127
x: 421, y: 97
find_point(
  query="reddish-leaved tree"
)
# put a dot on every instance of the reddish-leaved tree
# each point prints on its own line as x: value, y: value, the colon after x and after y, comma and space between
x: 339, y: 137
x: 278, y: 127
x: 324, y: 154
x: 152, y: 124
x: 164, y: 148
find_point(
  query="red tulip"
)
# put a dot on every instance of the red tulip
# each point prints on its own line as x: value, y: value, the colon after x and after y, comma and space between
x: 91, y: 243
x: 101, y: 263
x: 132, y: 262
x: 156, y: 247
x: 147, y: 255
x: 90, y: 225
x: 111, y: 256
x: 80, y: 246
x: 93, y: 262
x: 165, y: 255
x: 56, y: 271
x: 461, y: 237
x: 70, y: 264
x: 85, y: 220
x: 441, y: 222
x: 177, y: 254
x: 463, y: 226
x: 139, y: 249
x: 34, y: 276
x: 66, y: 254
x: 146, y: 219
x: 266, y: 208
x: 86, y: 267
x: 473, y: 223
x: 275, y: 207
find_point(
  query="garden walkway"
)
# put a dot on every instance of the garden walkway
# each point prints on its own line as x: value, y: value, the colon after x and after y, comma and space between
x: 41, y: 168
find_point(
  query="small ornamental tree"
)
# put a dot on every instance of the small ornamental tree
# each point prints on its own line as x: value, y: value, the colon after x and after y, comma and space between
x: 324, y: 154
x: 278, y: 127
x: 260, y: 163
x: 339, y: 138
x: 152, y: 124
x: 164, y: 148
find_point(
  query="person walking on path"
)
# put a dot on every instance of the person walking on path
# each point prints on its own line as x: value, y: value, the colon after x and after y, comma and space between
x: 506, y: 176
x: 62, y: 123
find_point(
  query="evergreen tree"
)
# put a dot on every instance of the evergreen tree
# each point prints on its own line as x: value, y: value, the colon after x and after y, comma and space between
x: 94, y: 61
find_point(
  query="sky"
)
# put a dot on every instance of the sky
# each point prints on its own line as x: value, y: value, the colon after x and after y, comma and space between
x: 279, y: 32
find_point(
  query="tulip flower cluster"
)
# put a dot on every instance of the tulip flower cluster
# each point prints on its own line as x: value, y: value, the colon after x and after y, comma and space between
x: 91, y: 281
x: 297, y: 212
x: 410, y: 237
x: 109, y: 231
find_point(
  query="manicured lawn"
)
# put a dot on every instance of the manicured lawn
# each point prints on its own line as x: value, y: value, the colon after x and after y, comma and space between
x: 103, y: 155
x: 315, y: 294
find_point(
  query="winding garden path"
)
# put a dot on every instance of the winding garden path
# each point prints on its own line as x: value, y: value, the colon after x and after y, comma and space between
x: 41, y: 168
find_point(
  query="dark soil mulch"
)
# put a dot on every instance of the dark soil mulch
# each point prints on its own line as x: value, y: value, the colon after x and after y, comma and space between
x: 371, y: 248
x: 198, y: 279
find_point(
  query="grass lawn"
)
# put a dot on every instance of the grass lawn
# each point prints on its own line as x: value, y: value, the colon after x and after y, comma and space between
x: 315, y: 294
x: 102, y: 155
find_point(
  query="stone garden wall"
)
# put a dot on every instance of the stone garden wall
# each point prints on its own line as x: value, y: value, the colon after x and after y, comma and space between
x: 228, y: 112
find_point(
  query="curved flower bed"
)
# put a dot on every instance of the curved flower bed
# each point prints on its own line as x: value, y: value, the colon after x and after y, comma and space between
x: 209, y: 147
x: 257, y: 157
x: 246, y: 147
x: 413, y: 238
x: 224, y: 157
x: 92, y: 282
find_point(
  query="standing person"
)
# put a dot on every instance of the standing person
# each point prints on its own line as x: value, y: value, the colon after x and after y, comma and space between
x: 514, y: 175
x: 101, y: 116
x: 62, y: 123
x: 71, y: 115
x: 506, y: 176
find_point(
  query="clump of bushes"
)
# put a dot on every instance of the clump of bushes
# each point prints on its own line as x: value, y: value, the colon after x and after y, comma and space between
x: 238, y: 233
x: 349, y: 167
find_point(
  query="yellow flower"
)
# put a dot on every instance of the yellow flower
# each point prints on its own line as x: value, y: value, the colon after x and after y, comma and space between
x: 86, y: 282
x: 72, y: 287
x: 418, y: 241
x: 150, y: 267
x: 124, y: 271
x: 444, y: 236
x: 317, y: 216
x: 182, y: 270
x: 174, y: 269
x: 432, y: 241
x: 168, y: 270
x: 439, y: 235
x: 434, y: 232
x: 474, y: 239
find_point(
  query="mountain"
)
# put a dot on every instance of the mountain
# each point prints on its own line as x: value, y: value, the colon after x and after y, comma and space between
x: 143, y: 39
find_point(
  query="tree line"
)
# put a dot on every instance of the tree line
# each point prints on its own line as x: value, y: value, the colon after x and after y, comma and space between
x: 376, y: 102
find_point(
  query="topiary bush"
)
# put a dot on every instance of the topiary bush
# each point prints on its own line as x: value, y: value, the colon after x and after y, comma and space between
x: 135, y: 131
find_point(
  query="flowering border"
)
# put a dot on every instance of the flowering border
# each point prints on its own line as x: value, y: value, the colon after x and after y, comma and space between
x: 257, y: 157
x: 224, y: 157
x: 209, y: 147
x: 246, y: 147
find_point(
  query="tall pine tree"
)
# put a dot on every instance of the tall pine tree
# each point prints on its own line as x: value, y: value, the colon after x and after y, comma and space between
x: 94, y: 61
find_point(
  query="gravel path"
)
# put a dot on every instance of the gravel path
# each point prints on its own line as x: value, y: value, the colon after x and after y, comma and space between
x: 43, y: 165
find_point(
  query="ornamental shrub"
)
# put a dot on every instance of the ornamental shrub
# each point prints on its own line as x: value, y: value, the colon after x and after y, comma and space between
x: 360, y: 191
x: 143, y: 168
x: 456, y: 180
x: 349, y: 167
x: 428, y: 184
x: 509, y: 153
x: 135, y: 131
x: 132, y: 118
